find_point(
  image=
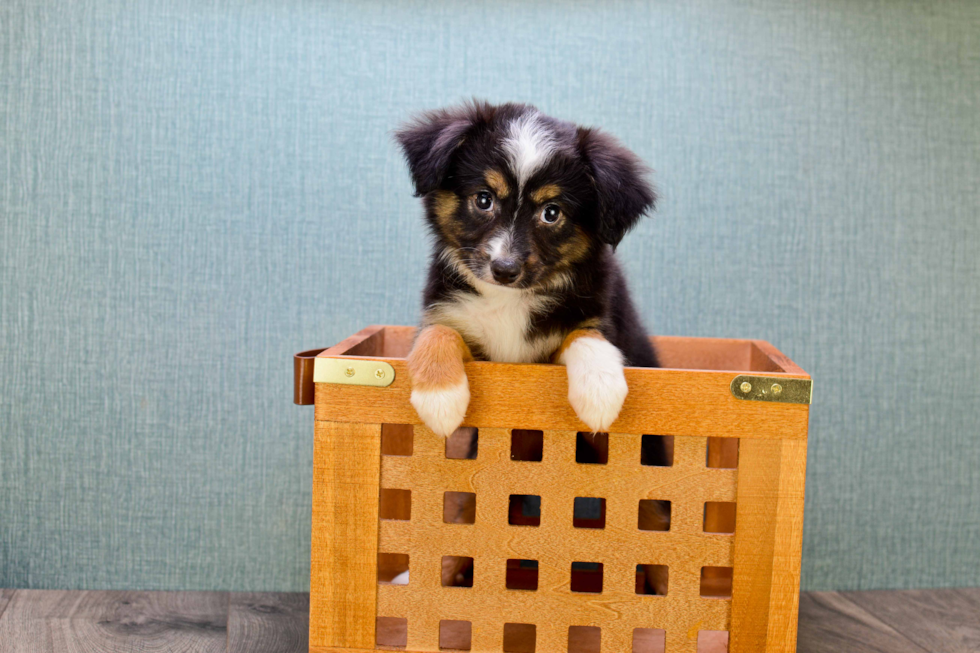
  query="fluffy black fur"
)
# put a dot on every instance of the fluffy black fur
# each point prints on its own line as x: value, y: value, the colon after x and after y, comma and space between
x: 603, y: 194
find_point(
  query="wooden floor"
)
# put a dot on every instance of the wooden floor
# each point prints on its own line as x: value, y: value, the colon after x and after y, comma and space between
x: 39, y: 621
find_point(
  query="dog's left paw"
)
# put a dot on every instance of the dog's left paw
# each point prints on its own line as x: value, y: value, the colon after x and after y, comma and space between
x: 596, y: 383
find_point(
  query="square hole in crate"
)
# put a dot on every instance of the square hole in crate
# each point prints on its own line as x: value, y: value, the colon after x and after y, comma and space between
x: 657, y: 450
x: 457, y: 571
x: 522, y: 574
x: 397, y: 439
x: 649, y: 640
x: 592, y: 448
x: 524, y: 510
x: 589, y: 512
x: 395, y: 504
x: 393, y: 568
x: 651, y: 580
x: 712, y: 641
x: 520, y: 638
x: 459, y: 508
x: 584, y: 639
x: 455, y: 635
x: 719, y: 517
x: 526, y: 445
x: 716, y: 582
x: 653, y: 515
x: 391, y: 632
x: 587, y: 577
x: 722, y: 453
x: 463, y: 443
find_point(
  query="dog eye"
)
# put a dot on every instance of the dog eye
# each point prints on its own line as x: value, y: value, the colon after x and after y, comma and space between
x: 484, y: 200
x: 550, y: 214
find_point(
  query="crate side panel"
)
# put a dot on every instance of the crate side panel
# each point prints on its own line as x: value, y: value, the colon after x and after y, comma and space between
x: 555, y: 544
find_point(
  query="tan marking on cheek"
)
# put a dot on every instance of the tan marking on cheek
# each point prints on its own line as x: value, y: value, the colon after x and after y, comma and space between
x: 497, y: 183
x: 444, y: 205
x: 575, y: 248
x: 585, y: 330
x: 546, y: 193
x: 437, y: 357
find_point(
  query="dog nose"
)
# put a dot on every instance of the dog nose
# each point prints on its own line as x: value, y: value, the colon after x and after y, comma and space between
x: 505, y: 270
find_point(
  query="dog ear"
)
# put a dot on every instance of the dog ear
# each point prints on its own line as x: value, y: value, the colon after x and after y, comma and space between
x: 624, y: 194
x: 429, y: 142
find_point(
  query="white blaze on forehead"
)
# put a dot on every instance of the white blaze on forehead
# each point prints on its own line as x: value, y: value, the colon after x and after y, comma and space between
x: 500, y: 244
x: 528, y: 146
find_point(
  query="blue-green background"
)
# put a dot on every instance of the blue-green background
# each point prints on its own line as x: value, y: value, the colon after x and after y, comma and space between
x: 192, y: 191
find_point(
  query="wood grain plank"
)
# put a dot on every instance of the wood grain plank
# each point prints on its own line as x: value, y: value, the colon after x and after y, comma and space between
x: 503, y: 395
x: 971, y: 594
x: 5, y: 596
x: 41, y: 621
x: 44, y: 620
x: 369, y: 341
x: 755, y: 537
x: 343, y: 572
x: 787, y: 549
x: 830, y: 623
x: 268, y: 622
x: 34, y: 620
x: 938, y: 620
x: 703, y: 353
x: 767, y: 358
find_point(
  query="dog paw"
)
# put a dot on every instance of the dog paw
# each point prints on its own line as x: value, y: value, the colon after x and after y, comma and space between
x: 596, y: 383
x: 442, y: 409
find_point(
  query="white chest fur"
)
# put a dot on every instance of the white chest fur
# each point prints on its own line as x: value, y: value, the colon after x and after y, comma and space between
x: 497, y: 320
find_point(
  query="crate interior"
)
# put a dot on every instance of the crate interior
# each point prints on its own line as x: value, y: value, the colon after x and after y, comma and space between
x: 674, y: 352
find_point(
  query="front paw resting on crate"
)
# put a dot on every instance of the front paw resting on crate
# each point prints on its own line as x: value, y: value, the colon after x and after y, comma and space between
x: 596, y: 383
x: 440, y: 391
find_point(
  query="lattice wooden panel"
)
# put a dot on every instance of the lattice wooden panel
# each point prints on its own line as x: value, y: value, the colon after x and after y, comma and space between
x: 556, y: 543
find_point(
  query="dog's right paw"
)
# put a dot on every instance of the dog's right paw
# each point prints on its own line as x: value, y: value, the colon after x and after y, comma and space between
x: 442, y: 409
x: 440, y: 391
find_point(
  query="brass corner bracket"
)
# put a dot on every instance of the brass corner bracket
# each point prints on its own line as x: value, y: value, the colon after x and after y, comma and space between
x: 772, y: 388
x: 353, y: 371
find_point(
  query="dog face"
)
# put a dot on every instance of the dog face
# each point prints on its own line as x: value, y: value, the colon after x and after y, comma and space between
x: 519, y: 199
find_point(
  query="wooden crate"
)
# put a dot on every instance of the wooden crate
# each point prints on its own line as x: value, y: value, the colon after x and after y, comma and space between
x: 726, y: 448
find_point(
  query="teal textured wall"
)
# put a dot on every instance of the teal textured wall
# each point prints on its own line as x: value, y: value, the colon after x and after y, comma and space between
x: 192, y: 191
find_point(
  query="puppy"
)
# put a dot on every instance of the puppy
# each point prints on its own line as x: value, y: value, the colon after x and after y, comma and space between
x: 526, y: 212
